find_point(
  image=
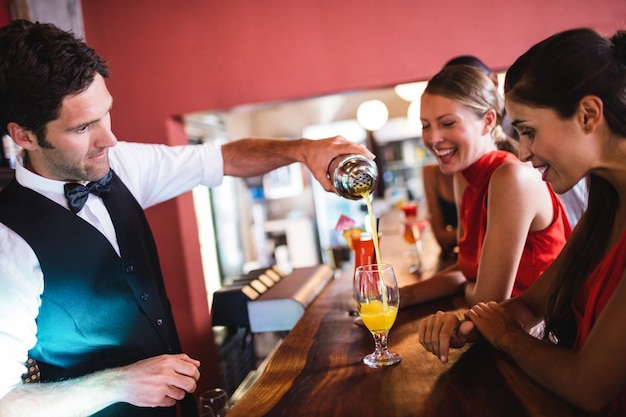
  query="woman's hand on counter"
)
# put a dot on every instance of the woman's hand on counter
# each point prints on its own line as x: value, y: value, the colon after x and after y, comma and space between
x: 441, y: 331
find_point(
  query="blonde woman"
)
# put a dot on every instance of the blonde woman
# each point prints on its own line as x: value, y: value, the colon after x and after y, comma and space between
x: 511, y: 224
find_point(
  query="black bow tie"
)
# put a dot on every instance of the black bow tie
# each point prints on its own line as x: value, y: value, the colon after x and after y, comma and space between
x: 77, y: 194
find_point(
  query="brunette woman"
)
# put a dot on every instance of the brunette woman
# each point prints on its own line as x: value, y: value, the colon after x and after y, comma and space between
x: 567, y: 99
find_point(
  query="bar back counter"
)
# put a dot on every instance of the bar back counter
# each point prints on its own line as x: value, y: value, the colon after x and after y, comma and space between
x: 317, y: 369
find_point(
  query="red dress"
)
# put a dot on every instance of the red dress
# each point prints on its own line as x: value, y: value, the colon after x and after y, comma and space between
x: 594, y: 295
x: 542, y: 246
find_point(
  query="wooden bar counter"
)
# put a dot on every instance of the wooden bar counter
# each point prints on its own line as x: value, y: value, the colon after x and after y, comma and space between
x: 317, y: 369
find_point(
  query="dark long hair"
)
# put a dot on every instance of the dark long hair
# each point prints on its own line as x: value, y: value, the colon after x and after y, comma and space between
x: 557, y: 73
x: 40, y: 65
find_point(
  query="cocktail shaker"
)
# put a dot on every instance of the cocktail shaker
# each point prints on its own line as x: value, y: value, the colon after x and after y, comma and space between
x: 353, y: 175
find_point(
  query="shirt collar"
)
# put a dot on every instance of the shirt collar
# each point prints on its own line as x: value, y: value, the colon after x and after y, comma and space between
x: 52, y: 189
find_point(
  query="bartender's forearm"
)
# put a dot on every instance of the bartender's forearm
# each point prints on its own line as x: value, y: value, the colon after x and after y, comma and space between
x: 255, y: 156
x: 158, y: 381
x: 72, y: 398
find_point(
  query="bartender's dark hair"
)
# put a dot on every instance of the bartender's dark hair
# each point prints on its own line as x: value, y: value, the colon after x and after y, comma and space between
x: 556, y: 74
x: 40, y: 65
x: 473, y: 89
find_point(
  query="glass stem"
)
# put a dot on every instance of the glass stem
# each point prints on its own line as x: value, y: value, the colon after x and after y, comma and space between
x: 418, y: 253
x: 418, y: 246
x: 380, y: 340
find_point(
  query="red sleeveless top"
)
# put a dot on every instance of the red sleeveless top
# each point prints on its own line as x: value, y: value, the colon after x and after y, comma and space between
x: 542, y: 246
x: 594, y: 295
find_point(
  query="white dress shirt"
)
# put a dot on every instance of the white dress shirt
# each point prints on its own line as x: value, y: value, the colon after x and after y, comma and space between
x: 152, y: 173
x: 574, y: 201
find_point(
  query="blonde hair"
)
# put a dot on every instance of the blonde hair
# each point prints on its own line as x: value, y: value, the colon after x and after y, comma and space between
x: 473, y: 89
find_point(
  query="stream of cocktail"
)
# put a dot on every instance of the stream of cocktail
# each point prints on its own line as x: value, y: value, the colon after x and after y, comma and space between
x: 374, y: 228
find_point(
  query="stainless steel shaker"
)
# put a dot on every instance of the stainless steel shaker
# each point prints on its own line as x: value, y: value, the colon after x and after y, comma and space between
x: 352, y: 175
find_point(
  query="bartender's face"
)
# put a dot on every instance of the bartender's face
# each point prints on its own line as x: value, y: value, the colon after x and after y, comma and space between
x: 76, y: 145
x: 453, y: 133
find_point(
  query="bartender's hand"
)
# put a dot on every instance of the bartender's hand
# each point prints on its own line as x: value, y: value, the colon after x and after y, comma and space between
x: 319, y: 153
x: 441, y: 331
x: 159, y: 381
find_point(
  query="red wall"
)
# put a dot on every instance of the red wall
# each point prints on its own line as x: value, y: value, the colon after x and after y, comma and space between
x: 172, y: 57
x: 4, y: 13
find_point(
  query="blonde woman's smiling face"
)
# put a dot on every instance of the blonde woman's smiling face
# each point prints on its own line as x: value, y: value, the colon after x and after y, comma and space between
x: 453, y: 132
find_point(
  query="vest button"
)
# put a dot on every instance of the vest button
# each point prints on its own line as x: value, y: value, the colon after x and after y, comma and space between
x: 144, y: 296
x: 159, y: 322
x: 130, y: 269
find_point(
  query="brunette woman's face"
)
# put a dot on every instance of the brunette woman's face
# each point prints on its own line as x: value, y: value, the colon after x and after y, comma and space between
x: 558, y: 148
x: 454, y: 133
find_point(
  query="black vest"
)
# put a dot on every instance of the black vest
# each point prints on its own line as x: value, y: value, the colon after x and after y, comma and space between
x: 98, y: 310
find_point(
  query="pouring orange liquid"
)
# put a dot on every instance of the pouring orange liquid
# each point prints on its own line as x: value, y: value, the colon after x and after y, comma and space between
x: 366, y: 197
x: 372, y: 219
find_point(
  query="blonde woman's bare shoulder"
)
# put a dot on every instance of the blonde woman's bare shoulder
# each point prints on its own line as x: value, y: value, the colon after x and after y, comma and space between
x: 517, y: 174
